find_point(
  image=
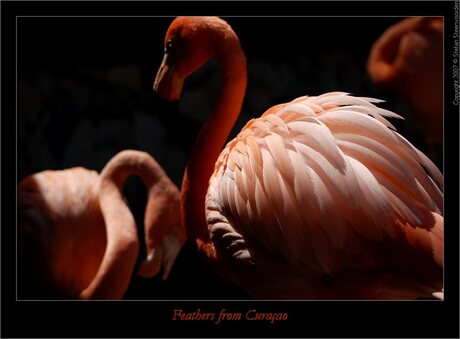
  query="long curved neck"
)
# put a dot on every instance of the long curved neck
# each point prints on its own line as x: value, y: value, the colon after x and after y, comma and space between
x: 211, y: 140
x: 122, y: 248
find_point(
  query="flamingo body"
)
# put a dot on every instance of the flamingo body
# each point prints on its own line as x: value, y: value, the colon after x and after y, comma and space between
x: 319, y: 182
x: 60, y: 222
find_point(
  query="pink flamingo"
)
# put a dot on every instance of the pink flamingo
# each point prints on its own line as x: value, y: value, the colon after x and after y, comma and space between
x: 319, y: 198
x: 78, y: 233
x: 408, y: 59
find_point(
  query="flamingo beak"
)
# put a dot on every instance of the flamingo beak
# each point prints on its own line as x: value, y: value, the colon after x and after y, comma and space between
x: 167, y: 82
x: 164, y: 255
x: 439, y: 295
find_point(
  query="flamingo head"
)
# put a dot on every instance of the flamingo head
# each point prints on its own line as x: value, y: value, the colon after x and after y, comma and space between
x: 189, y: 43
x: 164, y: 232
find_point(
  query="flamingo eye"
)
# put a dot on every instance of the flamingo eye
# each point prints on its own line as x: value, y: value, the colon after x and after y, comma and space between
x: 169, y: 46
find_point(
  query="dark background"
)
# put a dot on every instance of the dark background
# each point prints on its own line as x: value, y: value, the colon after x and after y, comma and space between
x: 84, y: 93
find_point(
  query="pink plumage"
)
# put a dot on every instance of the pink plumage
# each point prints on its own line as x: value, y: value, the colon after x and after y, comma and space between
x: 318, y: 180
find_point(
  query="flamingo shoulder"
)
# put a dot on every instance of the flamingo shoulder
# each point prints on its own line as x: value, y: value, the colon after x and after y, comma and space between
x: 62, y: 192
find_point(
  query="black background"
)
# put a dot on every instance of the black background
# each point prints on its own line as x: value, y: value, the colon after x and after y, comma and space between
x: 84, y: 93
